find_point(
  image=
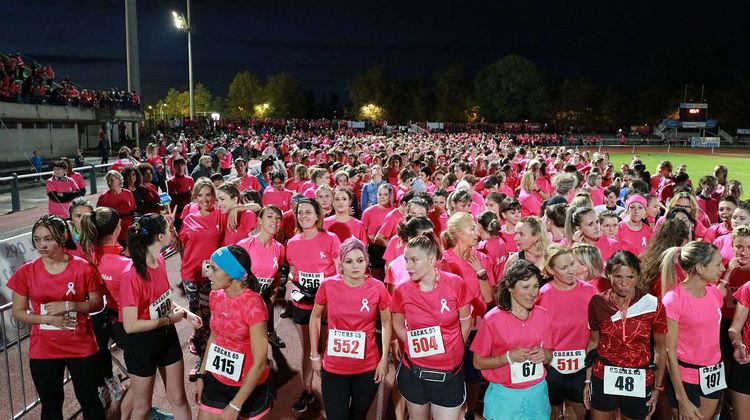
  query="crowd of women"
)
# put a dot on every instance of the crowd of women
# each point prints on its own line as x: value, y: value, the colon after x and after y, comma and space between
x: 498, y: 282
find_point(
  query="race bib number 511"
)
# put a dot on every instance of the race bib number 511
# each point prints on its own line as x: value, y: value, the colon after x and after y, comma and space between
x: 425, y: 342
x: 567, y: 362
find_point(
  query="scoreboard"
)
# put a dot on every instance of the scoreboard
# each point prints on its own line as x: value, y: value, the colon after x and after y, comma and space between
x: 693, y: 115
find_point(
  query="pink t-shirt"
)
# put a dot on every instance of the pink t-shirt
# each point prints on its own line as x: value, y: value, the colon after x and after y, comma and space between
x: 501, y: 332
x: 266, y: 259
x: 396, y: 272
x: 280, y: 199
x: 495, y: 249
x: 373, y: 218
x: 712, y: 233
x: 200, y: 236
x: 78, y: 179
x: 112, y: 267
x: 352, y: 309
x: 597, y: 196
x: 61, y: 185
x: 312, y: 259
x: 724, y: 243
x: 607, y: 247
x: 634, y: 241
x: 510, y: 241
x: 140, y: 293
x: 345, y: 230
x: 452, y: 263
x: 231, y: 320
x: 743, y: 296
x: 73, y: 284
x: 436, y: 308
x: 530, y: 205
x: 569, y: 311
x: 246, y: 222
x: 249, y: 182
x: 394, y: 248
x: 390, y: 223
x: 699, y: 327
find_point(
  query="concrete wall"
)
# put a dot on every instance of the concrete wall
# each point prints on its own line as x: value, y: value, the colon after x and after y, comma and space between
x: 50, y: 140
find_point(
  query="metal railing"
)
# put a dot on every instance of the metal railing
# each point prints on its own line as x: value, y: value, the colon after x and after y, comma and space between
x: 15, y: 186
x: 20, y: 401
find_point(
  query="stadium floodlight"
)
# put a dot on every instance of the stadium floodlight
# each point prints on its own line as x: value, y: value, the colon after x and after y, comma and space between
x: 182, y: 22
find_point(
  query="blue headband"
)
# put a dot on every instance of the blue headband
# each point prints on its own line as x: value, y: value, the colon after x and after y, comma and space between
x: 227, y: 262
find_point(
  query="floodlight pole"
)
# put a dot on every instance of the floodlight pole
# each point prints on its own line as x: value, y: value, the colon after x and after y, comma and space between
x: 190, y: 62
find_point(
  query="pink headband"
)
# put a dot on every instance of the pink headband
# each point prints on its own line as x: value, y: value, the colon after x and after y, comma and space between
x: 637, y: 198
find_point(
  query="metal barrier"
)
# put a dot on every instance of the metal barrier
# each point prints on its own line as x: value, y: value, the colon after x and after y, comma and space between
x: 21, y: 400
x: 14, y: 179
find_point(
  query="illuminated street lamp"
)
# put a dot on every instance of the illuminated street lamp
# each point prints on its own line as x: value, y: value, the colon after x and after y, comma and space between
x: 262, y: 110
x: 371, y: 112
x: 182, y: 23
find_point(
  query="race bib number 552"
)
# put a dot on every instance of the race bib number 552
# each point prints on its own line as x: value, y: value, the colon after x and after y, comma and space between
x: 343, y: 343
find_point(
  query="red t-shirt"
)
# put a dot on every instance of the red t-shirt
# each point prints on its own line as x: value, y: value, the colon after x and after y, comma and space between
x: 501, y: 331
x: 353, y: 309
x: 568, y: 310
x: 737, y: 279
x: 280, y: 199
x: 373, y: 218
x: 124, y: 203
x: 200, y: 236
x: 231, y: 320
x: 312, y: 259
x: 345, y: 230
x: 434, y: 312
x: 112, y: 267
x: 73, y: 284
x: 626, y: 342
x: 266, y: 259
x: 246, y: 222
x: 180, y: 190
x: 743, y: 296
x: 151, y: 297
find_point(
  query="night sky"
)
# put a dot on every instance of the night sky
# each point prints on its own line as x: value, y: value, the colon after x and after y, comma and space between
x: 625, y: 44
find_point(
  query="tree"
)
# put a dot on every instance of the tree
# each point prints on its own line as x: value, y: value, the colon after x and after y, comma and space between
x: 286, y: 98
x: 244, y: 92
x: 452, y: 87
x: 373, y: 86
x: 576, y: 104
x: 178, y: 102
x: 510, y: 89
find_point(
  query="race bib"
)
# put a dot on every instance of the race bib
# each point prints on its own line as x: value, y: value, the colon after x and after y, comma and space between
x: 525, y: 371
x: 205, y: 266
x: 48, y: 327
x: 343, y: 343
x: 161, y: 306
x: 310, y: 280
x: 626, y: 382
x: 265, y: 283
x: 712, y: 378
x: 425, y: 342
x: 567, y: 362
x: 224, y: 362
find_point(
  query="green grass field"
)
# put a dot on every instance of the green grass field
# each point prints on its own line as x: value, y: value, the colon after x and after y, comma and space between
x: 697, y: 164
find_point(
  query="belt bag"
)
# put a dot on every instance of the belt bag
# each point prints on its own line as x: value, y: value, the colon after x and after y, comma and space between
x: 432, y: 375
x: 593, y: 355
x: 689, y: 365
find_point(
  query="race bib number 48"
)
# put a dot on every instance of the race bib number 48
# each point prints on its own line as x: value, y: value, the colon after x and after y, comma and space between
x: 525, y: 371
x: 567, y: 362
x: 311, y: 280
x: 713, y: 378
x: 626, y: 382
x: 161, y: 306
x: 225, y: 362
x: 343, y: 343
x: 425, y: 342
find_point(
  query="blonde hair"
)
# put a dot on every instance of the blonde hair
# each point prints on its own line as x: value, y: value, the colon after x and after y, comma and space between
x: 740, y: 232
x: 528, y: 182
x: 589, y: 256
x: 688, y: 257
x: 538, y: 230
x: 552, y: 253
x: 455, y: 223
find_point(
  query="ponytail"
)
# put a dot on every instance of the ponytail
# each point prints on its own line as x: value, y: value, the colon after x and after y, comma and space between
x: 101, y: 222
x: 428, y: 243
x: 688, y: 257
x: 141, y: 235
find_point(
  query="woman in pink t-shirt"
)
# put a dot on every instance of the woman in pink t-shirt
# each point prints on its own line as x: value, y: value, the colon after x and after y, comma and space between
x: 693, y: 310
x: 582, y: 226
x: 373, y: 218
x: 739, y: 334
x: 276, y: 194
x: 512, y: 346
x: 491, y: 243
x: 510, y: 214
x: 431, y: 318
x: 342, y: 223
x: 531, y: 239
x: 352, y: 366
x: 530, y: 204
x: 61, y: 190
x: 312, y: 254
x: 633, y: 233
x: 727, y: 205
x: 200, y: 235
x: 566, y: 298
x: 229, y: 198
x: 233, y: 379
x: 396, y: 272
x: 324, y: 196
x: 54, y: 294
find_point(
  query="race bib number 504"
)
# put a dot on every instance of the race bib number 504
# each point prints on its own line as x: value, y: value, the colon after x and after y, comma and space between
x: 425, y: 342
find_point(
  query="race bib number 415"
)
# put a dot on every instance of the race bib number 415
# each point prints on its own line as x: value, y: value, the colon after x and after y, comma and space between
x: 425, y: 342
x: 626, y: 382
x: 225, y: 362
x: 343, y: 343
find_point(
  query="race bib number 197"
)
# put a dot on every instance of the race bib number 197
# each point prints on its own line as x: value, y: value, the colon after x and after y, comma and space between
x: 713, y: 378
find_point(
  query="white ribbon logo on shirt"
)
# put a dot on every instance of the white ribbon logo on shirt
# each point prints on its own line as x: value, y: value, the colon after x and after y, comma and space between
x: 71, y: 289
x: 322, y: 255
x: 364, y: 305
x: 643, y: 241
x: 444, y: 306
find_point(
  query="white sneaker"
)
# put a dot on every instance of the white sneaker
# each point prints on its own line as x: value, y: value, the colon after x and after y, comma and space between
x: 116, y: 390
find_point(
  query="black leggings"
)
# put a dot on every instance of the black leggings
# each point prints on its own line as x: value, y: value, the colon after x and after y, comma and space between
x: 269, y: 323
x: 338, y: 389
x: 102, y: 323
x: 48, y: 377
